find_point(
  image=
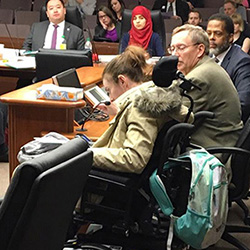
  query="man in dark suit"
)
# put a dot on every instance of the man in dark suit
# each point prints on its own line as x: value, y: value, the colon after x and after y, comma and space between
x: 179, y: 8
x: 41, y: 34
x: 220, y: 29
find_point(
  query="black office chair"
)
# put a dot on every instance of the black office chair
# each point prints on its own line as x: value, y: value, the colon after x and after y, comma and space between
x: 38, y: 206
x: 73, y: 15
x: 239, y: 186
x: 158, y: 25
x: 51, y: 62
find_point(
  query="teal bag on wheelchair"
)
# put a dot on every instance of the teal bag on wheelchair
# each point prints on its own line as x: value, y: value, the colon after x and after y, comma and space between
x: 204, y: 219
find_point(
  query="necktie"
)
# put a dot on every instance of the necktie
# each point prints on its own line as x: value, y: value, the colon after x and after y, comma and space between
x: 54, y: 37
x: 170, y: 8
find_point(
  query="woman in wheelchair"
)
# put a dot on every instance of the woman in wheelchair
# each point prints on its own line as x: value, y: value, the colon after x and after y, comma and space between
x: 141, y: 33
x: 141, y: 109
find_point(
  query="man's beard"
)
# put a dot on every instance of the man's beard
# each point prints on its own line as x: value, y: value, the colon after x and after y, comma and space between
x: 218, y: 50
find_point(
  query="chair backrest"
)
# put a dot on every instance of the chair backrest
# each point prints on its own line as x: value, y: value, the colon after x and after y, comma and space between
x: 170, y: 24
x: 26, y: 17
x: 16, y: 4
x: 213, y: 3
x: 38, y: 205
x: 207, y: 12
x: 240, y: 165
x: 51, y: 62
x: 6, y: 16
x: 158, y: 25
x: 73, y: 15
x: 17, y: 32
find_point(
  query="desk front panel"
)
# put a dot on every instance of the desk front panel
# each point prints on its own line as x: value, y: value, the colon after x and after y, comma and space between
x: 25, y: 122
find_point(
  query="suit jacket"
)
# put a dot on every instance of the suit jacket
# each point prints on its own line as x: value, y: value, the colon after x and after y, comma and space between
x: 182, y: 8
x: 36, y: 38
x: 219, y: 96
x: 237, y: 64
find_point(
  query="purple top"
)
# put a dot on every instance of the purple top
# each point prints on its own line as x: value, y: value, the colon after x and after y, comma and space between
x: 112, y: 34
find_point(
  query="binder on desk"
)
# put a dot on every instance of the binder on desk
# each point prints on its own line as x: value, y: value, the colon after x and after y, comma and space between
x: 68, y: 78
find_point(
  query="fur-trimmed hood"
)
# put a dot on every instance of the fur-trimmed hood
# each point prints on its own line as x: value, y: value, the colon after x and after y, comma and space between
x: 159, y: 101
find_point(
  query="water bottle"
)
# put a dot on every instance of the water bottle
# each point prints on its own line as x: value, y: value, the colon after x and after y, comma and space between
x: 63, y: 44
x: 88, y: 44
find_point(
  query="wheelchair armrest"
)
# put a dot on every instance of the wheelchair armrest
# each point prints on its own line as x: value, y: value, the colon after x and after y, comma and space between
x: 228, y: 150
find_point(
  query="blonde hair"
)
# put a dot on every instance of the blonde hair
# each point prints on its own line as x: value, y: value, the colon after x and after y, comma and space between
x: 197, y: 34
x: 132, y: 63
x: 237, y: 19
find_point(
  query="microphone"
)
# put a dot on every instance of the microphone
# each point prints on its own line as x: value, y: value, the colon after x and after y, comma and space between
x: 11, y: 40
x: 94, y: 50
x: 107, y: 103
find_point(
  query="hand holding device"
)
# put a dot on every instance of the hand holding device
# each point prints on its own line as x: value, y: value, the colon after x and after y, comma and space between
x: 107, y: 103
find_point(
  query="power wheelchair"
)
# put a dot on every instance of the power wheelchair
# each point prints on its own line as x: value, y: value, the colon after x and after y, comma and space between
x: 128, y: 214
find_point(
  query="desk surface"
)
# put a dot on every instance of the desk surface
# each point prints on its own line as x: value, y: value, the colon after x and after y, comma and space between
x: 28, y: 117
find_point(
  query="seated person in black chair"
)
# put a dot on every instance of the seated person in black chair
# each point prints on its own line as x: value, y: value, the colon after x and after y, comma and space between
x: 141, y: 33
x: 141, y: 110
x: 107, y: 29
x: 50, y: 34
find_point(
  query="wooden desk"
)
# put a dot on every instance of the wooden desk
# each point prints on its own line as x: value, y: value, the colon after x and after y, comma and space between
x: 29, y: 116
x: 106, y: 48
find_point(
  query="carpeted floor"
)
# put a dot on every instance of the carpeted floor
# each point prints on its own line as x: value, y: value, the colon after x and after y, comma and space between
x: 235, y: 214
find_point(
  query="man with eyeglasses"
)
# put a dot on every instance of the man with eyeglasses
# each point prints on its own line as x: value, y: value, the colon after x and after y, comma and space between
x: 230, y: 56
x: 191, y: 45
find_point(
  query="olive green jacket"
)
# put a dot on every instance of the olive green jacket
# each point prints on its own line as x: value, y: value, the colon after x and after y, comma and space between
x: 128, y: 143
x: 219, y: 96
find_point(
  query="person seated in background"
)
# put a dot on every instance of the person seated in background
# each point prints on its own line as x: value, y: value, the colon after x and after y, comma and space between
x: 86, y: 7
x: 194, y: 18
x: 230, y: 7
x: 141, y: 33
x: 117, y: 7
x: 140, y: 109
x: 231, y: 57
x: 239, y: 37
x: 51, y: 34
x: 218, y: 95
x: 177, y: 9
x: 107, y: 27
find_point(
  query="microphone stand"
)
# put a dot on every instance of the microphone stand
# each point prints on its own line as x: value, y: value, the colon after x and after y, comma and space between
x: 82, y: 129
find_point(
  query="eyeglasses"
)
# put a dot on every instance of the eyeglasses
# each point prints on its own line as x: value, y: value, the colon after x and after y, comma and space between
x: 104, y: 16
x: 179, y: 48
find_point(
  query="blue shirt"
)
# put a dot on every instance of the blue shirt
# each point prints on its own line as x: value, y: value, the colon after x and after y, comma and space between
x: 154, y: 47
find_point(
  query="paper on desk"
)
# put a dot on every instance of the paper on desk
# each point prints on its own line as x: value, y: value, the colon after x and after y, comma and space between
x: 22, y: 62
x: 106, y: 58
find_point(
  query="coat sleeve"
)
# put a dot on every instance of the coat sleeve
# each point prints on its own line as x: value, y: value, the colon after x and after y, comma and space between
x: 80, y: 41
x: 157, y: 45
x: 125, y: 40
x: 241, y: 80
x: 136, y: 149
x: 27, y: 45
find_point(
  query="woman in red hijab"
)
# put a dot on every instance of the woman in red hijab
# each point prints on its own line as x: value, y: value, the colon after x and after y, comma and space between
x: 141, y: 33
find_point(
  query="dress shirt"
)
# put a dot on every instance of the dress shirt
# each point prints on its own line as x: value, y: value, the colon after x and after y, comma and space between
x: 221, y: 56
x: 173, y: 6
x: 49, y: 34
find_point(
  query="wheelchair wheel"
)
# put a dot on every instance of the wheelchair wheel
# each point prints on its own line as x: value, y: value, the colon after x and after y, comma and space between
x: 93, y: 246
